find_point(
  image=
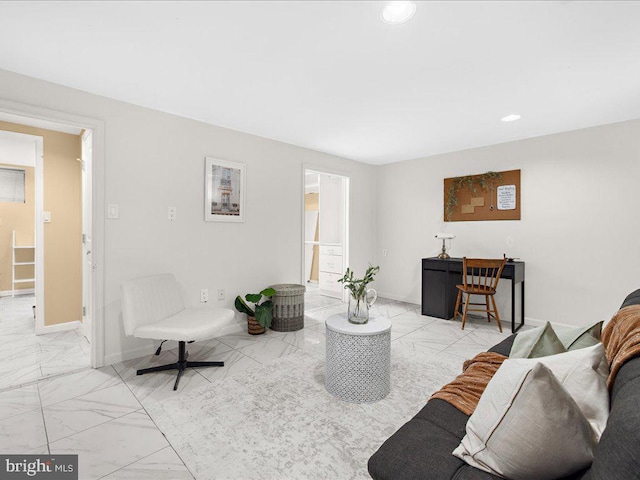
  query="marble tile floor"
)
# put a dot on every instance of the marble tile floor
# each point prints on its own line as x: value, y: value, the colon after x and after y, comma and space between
x: 313, y: 299
x: 26, y: 357
x: 101, y: 414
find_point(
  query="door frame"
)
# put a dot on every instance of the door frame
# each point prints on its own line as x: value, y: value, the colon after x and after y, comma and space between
x: 347, y: 208
x: 96, y: 335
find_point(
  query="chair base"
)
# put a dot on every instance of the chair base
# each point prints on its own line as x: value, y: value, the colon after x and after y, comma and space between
x: 491, y: 312
x: 181, y: 365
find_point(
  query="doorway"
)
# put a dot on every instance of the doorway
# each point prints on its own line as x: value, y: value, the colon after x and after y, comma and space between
x: 325, y: 236
x: 65, y: 336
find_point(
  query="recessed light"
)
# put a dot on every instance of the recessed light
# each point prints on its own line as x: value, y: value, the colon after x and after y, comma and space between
x: 511, y: 118
x: 398, y: 12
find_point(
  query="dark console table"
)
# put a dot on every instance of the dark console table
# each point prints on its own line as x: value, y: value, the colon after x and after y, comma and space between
x: 439, y: 292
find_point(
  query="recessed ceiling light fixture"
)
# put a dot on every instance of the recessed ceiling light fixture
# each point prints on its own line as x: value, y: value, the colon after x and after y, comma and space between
x: 511, y: 118
x: 398, y: 12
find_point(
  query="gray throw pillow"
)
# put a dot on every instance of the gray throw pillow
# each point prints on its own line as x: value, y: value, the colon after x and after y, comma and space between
x: 537, y: 342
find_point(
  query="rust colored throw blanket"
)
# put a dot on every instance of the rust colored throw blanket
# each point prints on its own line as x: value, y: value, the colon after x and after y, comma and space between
x: 621, y: 339
x: 465, y: 391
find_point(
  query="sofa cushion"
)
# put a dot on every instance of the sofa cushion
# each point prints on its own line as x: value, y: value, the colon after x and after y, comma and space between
x: 527, y: 426
x: 632, y: 299
x: 616, y: 456
x: 504, y: 347
x: 421, y: 448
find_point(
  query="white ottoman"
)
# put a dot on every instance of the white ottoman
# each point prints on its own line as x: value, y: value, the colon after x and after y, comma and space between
x: 358, y: 359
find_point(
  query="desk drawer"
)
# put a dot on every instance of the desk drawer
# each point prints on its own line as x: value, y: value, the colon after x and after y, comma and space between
x: 436, y: 265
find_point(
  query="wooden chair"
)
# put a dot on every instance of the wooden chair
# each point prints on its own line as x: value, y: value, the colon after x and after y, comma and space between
x: 479, y: 277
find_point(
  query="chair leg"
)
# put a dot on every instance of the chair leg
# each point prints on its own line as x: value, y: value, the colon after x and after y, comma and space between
x: 495, y: 311
x: 456, y: 312
x: 181, y: 365
x: 486, y: 303
x: 161, y: 368
x: 466, y: 306
x: 180, y: 372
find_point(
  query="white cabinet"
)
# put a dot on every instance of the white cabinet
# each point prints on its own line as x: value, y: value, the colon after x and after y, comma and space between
x: 331, y: 270
x: 329, y: 285
x: 18, y: 262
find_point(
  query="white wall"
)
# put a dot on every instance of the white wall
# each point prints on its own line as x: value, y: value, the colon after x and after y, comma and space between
x: 580, y: 222
x: 156, y: 160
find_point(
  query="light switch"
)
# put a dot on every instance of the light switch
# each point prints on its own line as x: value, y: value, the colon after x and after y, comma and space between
x: 46, y: 217
x: 112, y: 211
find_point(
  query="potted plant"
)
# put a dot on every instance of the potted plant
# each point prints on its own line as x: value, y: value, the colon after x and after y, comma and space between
x: 258, y: 317
x: 360, y: 298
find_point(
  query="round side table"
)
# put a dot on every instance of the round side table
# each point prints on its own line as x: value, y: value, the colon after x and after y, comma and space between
x: 358, y: 359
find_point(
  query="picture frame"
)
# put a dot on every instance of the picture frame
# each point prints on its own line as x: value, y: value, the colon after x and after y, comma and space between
x: 224, y: 191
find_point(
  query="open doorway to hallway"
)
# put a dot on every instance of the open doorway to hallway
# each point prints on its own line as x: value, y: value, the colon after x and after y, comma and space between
x: 326, y: 227
x: 41, y: 234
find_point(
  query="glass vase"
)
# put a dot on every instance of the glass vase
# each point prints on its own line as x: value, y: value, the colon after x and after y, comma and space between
x: 359, y: 306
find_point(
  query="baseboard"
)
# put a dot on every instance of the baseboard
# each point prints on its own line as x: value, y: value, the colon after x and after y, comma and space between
x: 59, y: 327
x: 534, y: 322
x: 149, y: 347
x: 22, y: 291
x: 140, y: 351
x: 398, y: 298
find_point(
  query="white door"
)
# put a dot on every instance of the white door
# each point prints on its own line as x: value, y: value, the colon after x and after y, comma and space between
x: 87, y: 264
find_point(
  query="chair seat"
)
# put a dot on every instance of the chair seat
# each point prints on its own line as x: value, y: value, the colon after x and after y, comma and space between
x: 200, y: 323
x: 476, y: 289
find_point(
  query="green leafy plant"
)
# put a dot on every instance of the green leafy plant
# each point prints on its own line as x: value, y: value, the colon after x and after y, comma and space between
x: 358, y: 286
x: 261, y: 311
x: 358, y: 289
x: 485, y: 181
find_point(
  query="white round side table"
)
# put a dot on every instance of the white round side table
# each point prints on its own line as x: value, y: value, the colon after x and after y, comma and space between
x: 358, y: 359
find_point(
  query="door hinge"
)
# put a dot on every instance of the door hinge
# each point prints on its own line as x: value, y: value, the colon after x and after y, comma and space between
x: 84, y: 238
x: 84, y: 311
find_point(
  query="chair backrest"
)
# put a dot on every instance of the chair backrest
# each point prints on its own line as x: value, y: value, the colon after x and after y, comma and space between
x: 484, y: 272
x: 148, y: 300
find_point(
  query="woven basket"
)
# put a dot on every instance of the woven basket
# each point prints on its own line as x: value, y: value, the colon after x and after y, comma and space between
x: 253, y: 327
x: 288, y: 307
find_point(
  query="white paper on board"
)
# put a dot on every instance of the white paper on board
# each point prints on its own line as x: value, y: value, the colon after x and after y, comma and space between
x: 506, y: 197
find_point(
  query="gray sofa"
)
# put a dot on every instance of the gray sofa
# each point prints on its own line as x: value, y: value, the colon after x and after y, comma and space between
x: 421, y: 448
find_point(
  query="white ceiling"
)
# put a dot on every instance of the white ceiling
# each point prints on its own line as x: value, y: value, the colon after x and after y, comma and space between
x: 331, y: 76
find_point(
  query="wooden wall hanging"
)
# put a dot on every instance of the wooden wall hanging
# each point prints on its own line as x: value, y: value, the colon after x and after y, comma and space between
x: 486, y: 196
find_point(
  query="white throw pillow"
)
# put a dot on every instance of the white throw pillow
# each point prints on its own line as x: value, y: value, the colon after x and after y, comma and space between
x: 527, y: 427
x: 583, y: 373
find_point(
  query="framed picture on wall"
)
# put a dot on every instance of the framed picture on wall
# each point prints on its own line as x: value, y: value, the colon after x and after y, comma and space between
x: 224, y: 191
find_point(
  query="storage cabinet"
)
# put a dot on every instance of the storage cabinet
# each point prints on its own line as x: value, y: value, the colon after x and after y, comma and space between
x: 23, y: 258
x: 330, y: 270
x: 439, y: 288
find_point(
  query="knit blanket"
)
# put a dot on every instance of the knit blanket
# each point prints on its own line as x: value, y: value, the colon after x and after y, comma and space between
x: 465, y: 391
x: 621, y: 339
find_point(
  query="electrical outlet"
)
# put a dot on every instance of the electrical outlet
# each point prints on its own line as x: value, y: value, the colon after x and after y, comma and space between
x: 220, y: 294
x: 204, y: 295
x: 384, y: 252
x: 171, y: 213
x: 113, y: 211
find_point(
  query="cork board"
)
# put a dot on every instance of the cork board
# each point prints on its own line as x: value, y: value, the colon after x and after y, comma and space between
x: 496, y: 197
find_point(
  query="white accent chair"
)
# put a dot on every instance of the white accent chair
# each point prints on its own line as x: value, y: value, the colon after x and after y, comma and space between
x: 152, y: 307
